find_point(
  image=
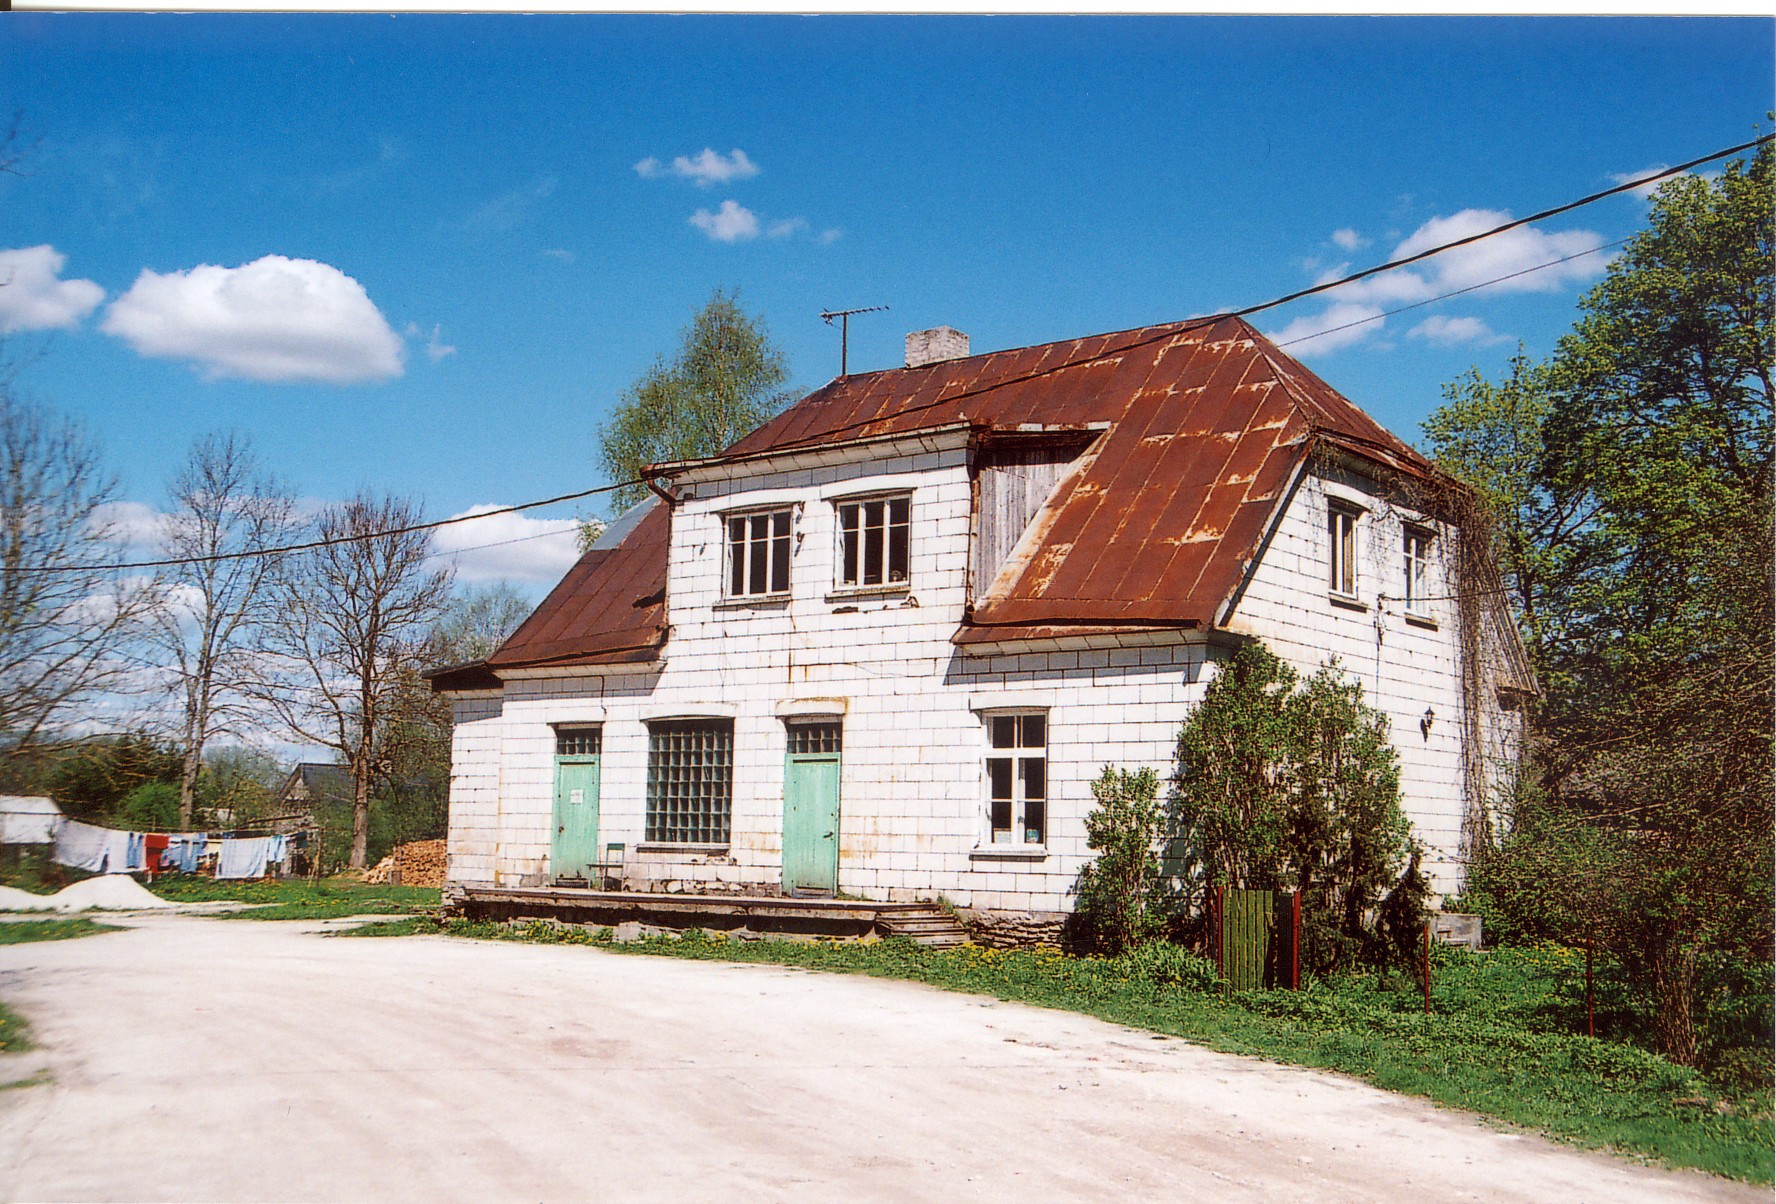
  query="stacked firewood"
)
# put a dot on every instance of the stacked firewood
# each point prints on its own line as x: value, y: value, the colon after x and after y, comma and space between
x: 421, y: 863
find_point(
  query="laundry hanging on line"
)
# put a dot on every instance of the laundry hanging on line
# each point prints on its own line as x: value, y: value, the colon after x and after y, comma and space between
x: 247, y: 857
x: 98, y: 850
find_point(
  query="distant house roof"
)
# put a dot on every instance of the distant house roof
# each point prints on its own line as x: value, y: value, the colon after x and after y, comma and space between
x: 313, y: 780
x: 1205, y: 426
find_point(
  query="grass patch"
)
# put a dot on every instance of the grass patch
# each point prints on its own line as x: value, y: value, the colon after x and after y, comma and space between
x: 15, y: 1034
x: 1497, y: 1041
x: 300, y: 899
x: 23, y: 932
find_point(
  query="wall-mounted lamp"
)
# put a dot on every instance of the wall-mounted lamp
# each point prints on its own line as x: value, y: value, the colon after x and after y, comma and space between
x: 1424, y: 725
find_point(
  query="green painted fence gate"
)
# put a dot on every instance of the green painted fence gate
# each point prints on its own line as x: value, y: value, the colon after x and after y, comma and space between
x: 1258, y: 938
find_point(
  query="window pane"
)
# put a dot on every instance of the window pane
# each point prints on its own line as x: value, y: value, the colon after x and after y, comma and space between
x: 1004, y: 731
x: 898, y: 538
x: 736, y: 556
x: 1035, y: 731
x: 872, y: 542
x: 1035, y: 821
x: 1035, y: 778
x: 756, y: 553
x: 999, y: 794
x: 578, y: 741
x: 780, y: 552
x: 690, y: 781
x: 849, y: 520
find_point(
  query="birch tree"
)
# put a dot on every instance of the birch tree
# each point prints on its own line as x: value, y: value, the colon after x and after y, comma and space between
x: 350, y: 627
x: 227, y: 515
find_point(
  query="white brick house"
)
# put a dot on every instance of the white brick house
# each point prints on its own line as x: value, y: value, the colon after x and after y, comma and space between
x: 883, y: 645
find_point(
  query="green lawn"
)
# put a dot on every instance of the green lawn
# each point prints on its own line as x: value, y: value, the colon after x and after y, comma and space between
x: 20, y: 932
x: 300, y: 899
x: 1498, y: 1041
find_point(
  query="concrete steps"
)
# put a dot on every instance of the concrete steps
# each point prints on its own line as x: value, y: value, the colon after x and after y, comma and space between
x: 925, y: 923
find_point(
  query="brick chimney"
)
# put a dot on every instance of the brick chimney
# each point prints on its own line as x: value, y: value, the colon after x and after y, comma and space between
x: 934, y: 346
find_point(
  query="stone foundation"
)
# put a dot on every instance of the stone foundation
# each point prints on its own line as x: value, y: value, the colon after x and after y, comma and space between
x: 1013, y: 929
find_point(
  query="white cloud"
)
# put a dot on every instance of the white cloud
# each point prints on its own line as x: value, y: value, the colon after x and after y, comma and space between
x: 512, y: 208
x: 525, y: 550
x: 1349, y: 240
x: 34, y: 297
x: 275, y: 320
x: 1334, y: 327
x: 436, y: 348
x: 731, y: 223
x: 705, y: 169
x: 1451, y: 332
x: 134, y: 524
x: 788, y: 226
x: 1511, y: 262
x: 559, y: 253
x: 827, y: 237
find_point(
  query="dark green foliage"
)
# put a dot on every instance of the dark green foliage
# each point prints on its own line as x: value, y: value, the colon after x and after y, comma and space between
x: 91, y: 779
x: 23, y: 932
x: 150, y: 807
x: 1289, y: 785
x: 1122, y: 895
x: 726, y: 379
x: 1630, y: 480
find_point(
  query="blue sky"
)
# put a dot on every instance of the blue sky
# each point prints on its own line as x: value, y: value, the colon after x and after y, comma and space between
x: 426, y: 254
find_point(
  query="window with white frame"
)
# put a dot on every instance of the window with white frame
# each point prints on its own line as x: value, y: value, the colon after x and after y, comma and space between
x: 1341, y: 539
x: 1418, y: 571
x: 690, y: 781
x: 875, y: 541
x: 758, y: 553
x: 1017, y: 777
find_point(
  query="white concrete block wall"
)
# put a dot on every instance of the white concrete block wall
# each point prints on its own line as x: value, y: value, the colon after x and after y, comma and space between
x: 1405, y: 666
x: 912, y: 791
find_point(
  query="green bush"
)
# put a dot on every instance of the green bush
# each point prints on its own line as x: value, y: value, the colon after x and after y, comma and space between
x: 1122, y: 897
x: 150, y: 807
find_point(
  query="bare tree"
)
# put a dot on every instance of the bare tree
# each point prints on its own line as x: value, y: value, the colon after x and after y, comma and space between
x: 65, y: 613
x: 350, y: 627
x: 227, y: 515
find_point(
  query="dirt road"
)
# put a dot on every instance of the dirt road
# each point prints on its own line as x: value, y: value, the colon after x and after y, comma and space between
x: 203, y: 1059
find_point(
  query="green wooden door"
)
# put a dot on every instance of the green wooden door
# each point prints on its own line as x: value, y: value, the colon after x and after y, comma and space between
x: 574, y: 846
x: 811, y: 808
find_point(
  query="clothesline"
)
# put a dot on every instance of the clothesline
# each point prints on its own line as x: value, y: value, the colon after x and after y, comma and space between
x: 102, y: 850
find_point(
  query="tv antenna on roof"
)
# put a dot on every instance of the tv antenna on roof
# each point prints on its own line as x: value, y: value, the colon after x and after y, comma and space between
x: 844, y: 317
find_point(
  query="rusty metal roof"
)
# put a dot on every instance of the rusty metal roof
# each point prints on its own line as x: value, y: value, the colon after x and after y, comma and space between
x: 1208, y: 424
x: 609, y: 609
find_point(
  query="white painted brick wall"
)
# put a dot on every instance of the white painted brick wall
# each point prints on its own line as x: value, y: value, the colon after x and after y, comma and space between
x: 913, y: 810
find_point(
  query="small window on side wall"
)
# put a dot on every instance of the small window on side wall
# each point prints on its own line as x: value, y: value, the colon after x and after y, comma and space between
x: 758, y: 553
x: 875, y: 542
x: 1017, y: 778
x: 1418, y: 543
x: 1341, y: 541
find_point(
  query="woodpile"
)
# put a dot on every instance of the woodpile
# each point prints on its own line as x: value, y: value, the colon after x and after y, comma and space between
x: 421, y: 863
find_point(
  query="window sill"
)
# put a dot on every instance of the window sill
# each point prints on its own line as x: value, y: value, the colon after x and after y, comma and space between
x: 755, y: 602
x: 687, y: 850
x: 849, y: 593
x: 1425, y: 621
x: 1347, y: 602
x: 1008, y: 852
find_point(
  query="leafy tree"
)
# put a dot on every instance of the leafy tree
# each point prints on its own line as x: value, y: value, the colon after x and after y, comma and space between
x: 150, y: 807
x: 217, y: 599
x: 726, y: 379
x: 1651, y: 428
x: 1122, y: 896
x: 239, y: 780
x: 1288, y: 785
x: 350, y: 632
x: 91, y: 779
x: 477, y: 621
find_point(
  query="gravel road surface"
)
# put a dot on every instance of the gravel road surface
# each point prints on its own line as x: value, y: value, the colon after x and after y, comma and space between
x: 203, y: 1059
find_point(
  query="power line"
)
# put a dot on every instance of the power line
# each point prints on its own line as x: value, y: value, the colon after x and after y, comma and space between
x: 1167, y: 331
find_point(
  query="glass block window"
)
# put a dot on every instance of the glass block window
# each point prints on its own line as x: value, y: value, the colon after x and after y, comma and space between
x: 1418, y: 570
x: 1017, y: 777
x: 812, y: 739
x: 1341, y: 532
x: 875, y: 541
x: 578, y: 741
x: 690, y: 781
x: 758, y: 553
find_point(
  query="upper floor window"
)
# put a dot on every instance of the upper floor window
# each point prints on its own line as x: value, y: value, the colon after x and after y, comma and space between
x: 1418, y: 570
x: 875, y: 541
x: 1341, y: 533
x: 758, y: 553
x: 1017, y: 778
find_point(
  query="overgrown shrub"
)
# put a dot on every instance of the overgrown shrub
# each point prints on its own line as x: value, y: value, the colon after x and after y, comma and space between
x: 1282, y: 784
x: 1122, y: 897
x: 150, y: 807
